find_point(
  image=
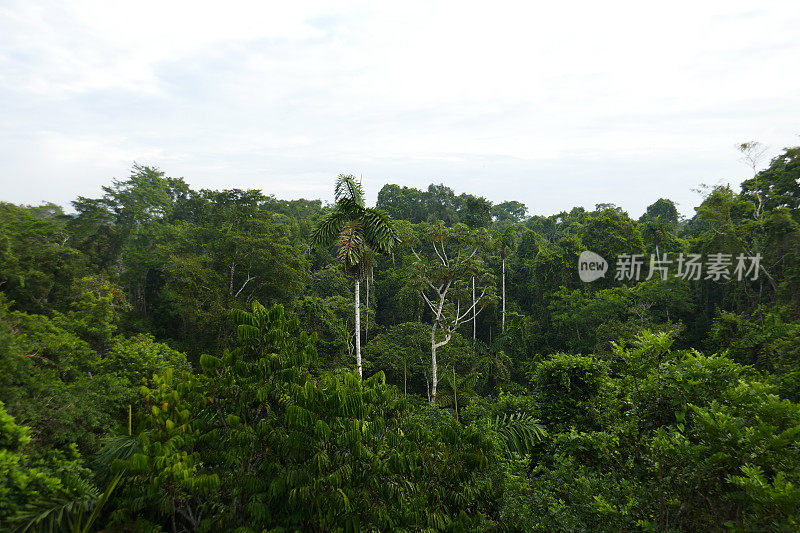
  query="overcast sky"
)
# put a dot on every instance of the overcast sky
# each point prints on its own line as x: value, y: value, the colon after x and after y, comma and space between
x: 553, y: 104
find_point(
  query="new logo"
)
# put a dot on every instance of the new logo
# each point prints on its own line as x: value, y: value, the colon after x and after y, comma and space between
x: 591, y: 266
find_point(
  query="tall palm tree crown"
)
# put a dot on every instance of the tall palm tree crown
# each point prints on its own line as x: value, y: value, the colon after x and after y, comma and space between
x: 358, y: 231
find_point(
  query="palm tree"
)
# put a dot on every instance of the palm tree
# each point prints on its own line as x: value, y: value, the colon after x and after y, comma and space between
x: 506, y: 243
x: 358, y: 231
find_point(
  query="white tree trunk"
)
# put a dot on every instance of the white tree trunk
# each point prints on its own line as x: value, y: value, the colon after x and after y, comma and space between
x: 434, y: 345
x: 504, y: 296
x: 434, y: 367
x: 358, y: 329
x: 474, y: 314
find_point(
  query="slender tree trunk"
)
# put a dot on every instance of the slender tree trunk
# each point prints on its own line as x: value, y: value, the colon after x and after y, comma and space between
x: 230, y: 287
x: 455, y: 392
x: 504, y: 296
x: 474, y: 314
x: 433, y: 366
x: 358, y: 329
x: 366, y: 324
x: 434, y: 345
x: 427, y: 387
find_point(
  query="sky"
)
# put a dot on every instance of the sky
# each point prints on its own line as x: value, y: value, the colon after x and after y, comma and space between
x: 554, y: 104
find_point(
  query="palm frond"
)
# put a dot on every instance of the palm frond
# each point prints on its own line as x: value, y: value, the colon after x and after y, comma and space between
x: 469, y: 381
x: 65, y: 512
x: 380, y: 231
x: 115, y: 448
x: 327, y: 229
x: 52, y: 515
x: 518, y: 432
x: 464, y: 388
x: 350, y: 208
x: 347, y: 187
x: 100, y: 503
x: 350, y: 245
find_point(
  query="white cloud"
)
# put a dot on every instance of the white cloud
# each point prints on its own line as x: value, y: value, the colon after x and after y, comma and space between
x: 627, y: 100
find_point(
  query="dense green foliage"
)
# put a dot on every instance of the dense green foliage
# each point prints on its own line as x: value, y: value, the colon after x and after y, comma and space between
x: 181, y: 360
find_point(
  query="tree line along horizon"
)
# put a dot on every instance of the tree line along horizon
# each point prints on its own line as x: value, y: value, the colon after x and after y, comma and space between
x: 200, y: 360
